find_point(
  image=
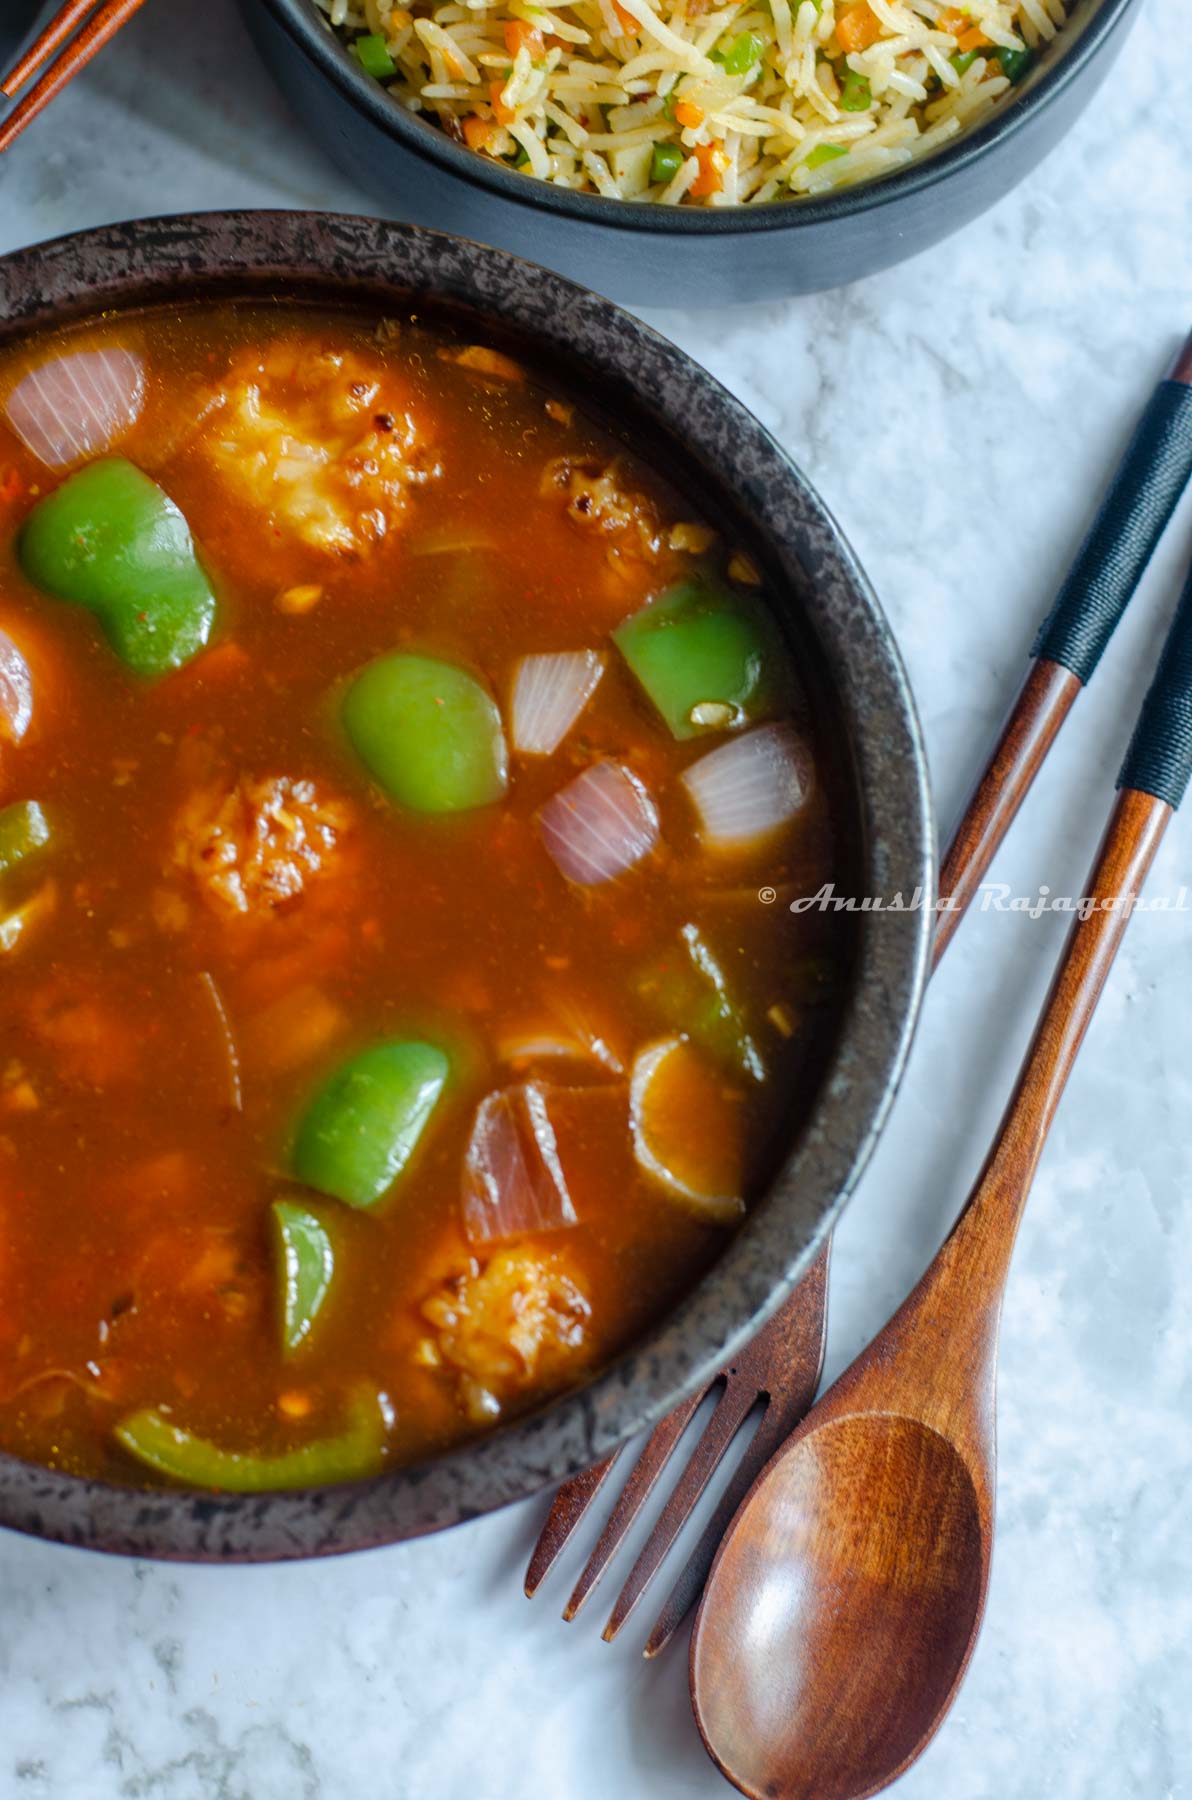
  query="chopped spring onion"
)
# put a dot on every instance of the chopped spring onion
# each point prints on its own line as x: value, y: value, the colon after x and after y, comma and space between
x: 740, y: 53
x: 856, y: 95
x: 1015, y: 63
x: 549, y: 693
x: 824, y: 153
x: 750, y: 786
x: 372, y: 53
x: 963, y: 61
x: 601, y: 824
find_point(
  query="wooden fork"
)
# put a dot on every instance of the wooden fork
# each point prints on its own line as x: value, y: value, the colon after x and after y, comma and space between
x: 780, y: 1369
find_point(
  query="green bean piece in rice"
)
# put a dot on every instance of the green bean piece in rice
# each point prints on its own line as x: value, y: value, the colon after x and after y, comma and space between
x: 690, y: 102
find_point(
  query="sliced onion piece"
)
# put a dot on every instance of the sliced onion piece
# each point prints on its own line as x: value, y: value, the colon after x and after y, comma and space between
x: 520, y: 1048
x: 750, y: 786
x: 77, y: 405
x: 16, y: 692
x: 549, y: 694
x: 600, y: 824
x: 513, y: 1182
x: 598, y: 1043
x: 565, y: 1031
x: 687, y: 1130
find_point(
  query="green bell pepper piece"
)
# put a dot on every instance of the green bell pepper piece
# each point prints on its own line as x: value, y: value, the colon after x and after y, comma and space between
x: 24, y: 828
x: 171, y: 1450
x: 307, y: 1263
x: 361, y: 1129
x: 372, y: 53
x: 691, y: 992
x: 111, y: 540
x: 707, y: 657
x: 429, y: 733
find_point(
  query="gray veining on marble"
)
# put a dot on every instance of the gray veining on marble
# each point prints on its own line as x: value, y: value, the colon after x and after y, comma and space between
x: 957, y: 414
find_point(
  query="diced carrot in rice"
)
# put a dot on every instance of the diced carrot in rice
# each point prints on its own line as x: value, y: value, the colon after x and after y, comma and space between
x: 712, y: 164
x: 504, y: 115
x: 521, y: 36
x: 478, y: 132
x: 953, y: 21
x: 858, y: 27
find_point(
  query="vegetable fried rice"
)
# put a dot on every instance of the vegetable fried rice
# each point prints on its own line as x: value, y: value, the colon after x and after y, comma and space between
x: 694, y: 102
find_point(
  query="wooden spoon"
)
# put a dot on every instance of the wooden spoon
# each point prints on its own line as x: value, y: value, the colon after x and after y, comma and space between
x: 781, y: 1367
x: 847, y: 1596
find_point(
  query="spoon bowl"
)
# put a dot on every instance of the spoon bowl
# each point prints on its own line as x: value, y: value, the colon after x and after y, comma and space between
x: 847, y: 1597
x: 787, y: 1709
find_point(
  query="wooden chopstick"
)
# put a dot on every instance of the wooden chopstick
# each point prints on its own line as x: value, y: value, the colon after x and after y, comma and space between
x: 103, y: 24
x: 72, y: 13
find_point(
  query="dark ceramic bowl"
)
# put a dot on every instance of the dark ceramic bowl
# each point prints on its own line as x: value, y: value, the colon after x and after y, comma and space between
x: 689, y: 426
x: 679, y: 256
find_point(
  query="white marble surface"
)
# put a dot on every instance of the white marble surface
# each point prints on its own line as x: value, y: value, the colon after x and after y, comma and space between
x: 957, y: 414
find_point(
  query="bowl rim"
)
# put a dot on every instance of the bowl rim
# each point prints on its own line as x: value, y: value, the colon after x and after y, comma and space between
x: 1053, y: 76
x: 817, y: 574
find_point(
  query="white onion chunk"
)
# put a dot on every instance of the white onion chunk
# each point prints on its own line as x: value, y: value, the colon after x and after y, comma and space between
x: 601, y: 824
x: 513, y: 1181
x: 549, y: 694
x: 16, y: 692
x: 78, y: 405
x: 750, y: 786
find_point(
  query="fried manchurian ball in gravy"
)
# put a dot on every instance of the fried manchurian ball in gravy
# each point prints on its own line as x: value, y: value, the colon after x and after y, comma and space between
x: 321, y: 442
x: 389, y: 766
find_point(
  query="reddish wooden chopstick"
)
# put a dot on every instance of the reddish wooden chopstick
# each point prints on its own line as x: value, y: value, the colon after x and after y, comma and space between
x: 72, y: 13
x: 104, y: 23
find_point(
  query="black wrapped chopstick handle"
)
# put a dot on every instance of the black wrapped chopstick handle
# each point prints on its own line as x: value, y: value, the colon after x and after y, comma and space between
x: 1159, y: 760
x: 1130, y: 522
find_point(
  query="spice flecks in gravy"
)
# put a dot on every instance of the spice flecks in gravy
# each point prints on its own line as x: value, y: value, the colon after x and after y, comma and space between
x: 389, y: 764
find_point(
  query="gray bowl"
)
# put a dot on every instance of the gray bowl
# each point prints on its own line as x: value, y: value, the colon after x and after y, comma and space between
x: 718, y: 453
x: 680, y: 255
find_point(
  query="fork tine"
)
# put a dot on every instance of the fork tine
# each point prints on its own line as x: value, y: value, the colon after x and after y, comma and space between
x: 645, y: 1473
x: 803, y: 1332
x: 570, y: 1504
x: 772, y: 1429
x: 736, y: 1403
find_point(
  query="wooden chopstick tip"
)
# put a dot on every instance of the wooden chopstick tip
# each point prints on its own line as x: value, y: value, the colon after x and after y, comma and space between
x: 68, y: 16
